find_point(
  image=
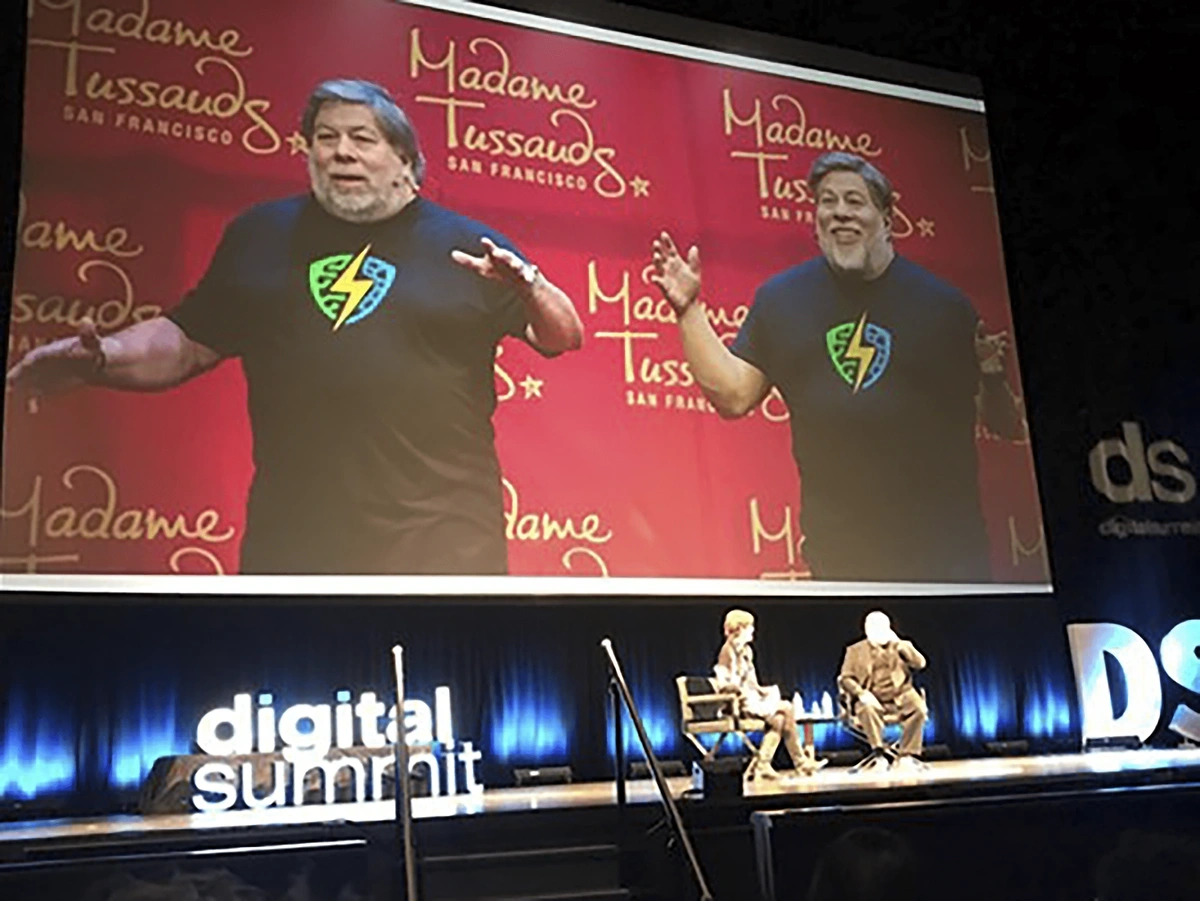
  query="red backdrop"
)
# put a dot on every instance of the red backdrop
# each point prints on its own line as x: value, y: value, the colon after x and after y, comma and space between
x: 150, y: 124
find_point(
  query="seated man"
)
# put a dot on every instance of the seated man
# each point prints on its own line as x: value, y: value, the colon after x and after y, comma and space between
x: 877, y: 677
x: 735, y: 673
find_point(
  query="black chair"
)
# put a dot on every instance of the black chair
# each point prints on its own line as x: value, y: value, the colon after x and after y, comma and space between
x: 890, y: 751
x: 705, y: 711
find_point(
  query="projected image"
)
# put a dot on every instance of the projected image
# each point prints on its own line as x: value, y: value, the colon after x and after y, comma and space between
x: 904, y: 454
x: 456, y: 296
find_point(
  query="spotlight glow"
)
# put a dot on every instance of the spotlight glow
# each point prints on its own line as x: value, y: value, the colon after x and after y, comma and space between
x: 531, y: 724
x: 37, y: 757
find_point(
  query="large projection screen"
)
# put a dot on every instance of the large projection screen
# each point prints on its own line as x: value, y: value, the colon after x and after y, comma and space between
x: 364, y: 413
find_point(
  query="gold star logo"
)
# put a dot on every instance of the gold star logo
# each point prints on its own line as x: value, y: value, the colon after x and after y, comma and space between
x: 641, y: 187
x: 926, y: 227
x: 297, y: 145
x: 532, y: 386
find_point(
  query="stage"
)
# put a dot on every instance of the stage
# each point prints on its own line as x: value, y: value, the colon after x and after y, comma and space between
x: 945, y: 782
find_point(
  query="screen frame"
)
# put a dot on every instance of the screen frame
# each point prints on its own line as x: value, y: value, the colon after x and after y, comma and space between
x: 727, y: 45
x: 477, y: 587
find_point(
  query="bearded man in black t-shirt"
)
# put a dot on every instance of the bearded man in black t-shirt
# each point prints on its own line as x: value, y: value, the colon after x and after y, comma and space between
x: 366, y: 319
x: 884, y: 369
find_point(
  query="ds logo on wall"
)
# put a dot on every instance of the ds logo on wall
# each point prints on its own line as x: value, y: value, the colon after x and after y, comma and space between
x: 1127, y: 470
x: 860, y: 352
x: 348, y: 289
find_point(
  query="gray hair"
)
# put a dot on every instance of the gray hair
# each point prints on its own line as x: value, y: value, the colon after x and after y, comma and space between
x: 877, y: 183
x: 392, y: 120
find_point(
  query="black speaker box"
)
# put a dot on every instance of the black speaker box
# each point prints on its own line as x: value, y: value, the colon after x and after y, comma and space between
x: 1007, y: 748
x: 640, y: 769
x: 720, y: 778
x: 1109, y: 743
x: 544, y: 775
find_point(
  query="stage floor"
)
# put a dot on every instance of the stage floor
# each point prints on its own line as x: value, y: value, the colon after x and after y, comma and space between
x: 986, y: 777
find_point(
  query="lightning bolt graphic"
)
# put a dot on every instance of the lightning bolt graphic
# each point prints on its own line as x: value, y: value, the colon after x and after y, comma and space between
x: 862, y: 352
x: 352, y: 286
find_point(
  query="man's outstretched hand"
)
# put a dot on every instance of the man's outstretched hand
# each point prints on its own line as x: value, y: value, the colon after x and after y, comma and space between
x: 498, y: 264
x: 553, y: 325
x: 60, y: 365
x: 678, y: 278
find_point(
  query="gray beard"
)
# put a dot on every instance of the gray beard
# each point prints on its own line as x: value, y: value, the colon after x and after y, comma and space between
x: 351, y: 209
x: 358, y: 208
x: 857, y: 269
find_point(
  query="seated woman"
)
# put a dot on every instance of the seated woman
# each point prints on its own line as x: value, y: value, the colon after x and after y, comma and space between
x: 735, y: 673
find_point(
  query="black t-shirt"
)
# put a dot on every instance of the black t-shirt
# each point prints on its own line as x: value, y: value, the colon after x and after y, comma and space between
x: 880, y: 379
x: 368, y: 355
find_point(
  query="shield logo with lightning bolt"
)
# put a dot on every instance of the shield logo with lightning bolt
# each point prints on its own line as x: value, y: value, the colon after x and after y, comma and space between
x: 860, y: 352
x: 348, y: 288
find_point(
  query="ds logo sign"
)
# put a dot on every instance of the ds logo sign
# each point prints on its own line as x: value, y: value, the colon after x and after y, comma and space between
x: 1092, y: 643
x: 1144, y: 473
